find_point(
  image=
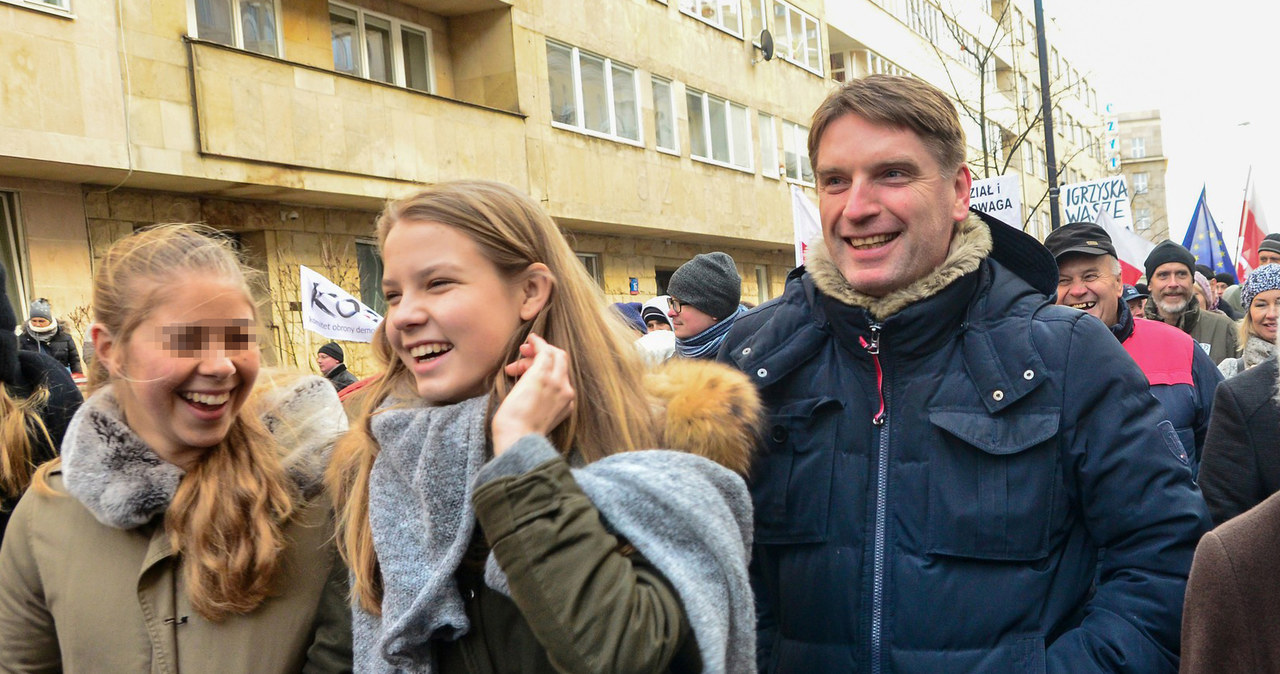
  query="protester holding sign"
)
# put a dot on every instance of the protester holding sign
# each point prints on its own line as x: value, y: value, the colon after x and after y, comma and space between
x: 468, y: 535
x: 182, y: 529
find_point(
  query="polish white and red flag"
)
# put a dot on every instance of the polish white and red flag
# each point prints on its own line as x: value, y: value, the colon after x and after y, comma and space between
x: 1253, y: 227
x: 1131, y: 249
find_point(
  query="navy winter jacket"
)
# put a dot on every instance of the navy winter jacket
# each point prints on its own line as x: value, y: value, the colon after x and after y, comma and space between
x: 933, y: 489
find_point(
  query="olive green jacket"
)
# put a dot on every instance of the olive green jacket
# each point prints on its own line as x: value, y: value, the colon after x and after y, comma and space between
x: 79, y: 596
x: 1215, y: 330
x: 611, y: 593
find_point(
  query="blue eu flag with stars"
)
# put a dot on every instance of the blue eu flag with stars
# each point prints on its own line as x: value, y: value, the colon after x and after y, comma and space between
x: 1204, y: 240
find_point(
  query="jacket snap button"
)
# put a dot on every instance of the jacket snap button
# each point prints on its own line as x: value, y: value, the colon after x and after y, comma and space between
x: 762, y: 373
x: 1028, y: 375
x: 779, y: 434
x: 746, y: 351
x: 998, y: 396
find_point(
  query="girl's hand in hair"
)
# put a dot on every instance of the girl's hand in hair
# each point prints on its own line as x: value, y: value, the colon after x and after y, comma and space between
x: 541, y: 398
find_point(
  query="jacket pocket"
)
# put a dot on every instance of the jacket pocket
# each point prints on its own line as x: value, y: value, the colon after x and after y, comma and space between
x: 791, y: 480
x: 995, y: 491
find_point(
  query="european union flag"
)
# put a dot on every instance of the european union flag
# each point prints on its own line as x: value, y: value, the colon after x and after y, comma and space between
x: 1204, y: 240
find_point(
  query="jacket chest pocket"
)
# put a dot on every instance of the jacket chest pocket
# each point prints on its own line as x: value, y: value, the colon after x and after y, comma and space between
x: 995, y: 490
x: 791, y: 479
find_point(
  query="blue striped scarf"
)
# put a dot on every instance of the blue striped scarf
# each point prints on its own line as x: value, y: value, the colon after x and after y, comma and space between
x: 705, y: 344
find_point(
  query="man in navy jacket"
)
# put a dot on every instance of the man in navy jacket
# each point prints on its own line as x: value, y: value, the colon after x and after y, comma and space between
x: 947, y: 449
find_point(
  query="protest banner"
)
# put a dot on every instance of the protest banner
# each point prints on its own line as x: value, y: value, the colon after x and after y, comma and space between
x: 999, y: 197
x: 332, y: 311
x: 1081, y: 202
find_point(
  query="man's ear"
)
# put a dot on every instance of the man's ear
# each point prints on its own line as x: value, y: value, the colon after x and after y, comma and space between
x: 536, y: 283
x: 963, y: 181
x: 105, y: 347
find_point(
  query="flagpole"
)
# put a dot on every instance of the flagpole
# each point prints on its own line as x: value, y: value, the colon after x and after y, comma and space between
x: 1244, y: 212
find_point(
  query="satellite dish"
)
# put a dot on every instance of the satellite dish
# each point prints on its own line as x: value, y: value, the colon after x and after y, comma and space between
x: 766, y: 44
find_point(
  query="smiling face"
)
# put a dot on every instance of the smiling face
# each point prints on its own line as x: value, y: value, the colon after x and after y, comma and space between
x: 1170, y: 285
x: 184, y: 373
x: 888, y: 209
x: 1262, y: 314
x: 451, y: 314
x: 1089, y: 283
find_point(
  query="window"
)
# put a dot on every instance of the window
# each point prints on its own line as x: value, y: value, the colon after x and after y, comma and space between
x: 762, y: 284
x: 380, y: 48
x: 795, y: 152
x: 591, y: 262
x: 1140, y: 182
x: 593, y: 94
x: 1024, y: 91
x: 768, y: 146
x: 1137, y: 148
x: 837, y: 67
x: 369, y: 265
x: 1141, y: 219
x: 664, y: 115
x: 723, y: 14
x: 719, y: 130
x: 759, y: 19
x: 1028, y: 159
x: 995, y: 140
x: 11, y: 247
x: 797, y: 37
x: 244, y: 24
x: 61, y: 6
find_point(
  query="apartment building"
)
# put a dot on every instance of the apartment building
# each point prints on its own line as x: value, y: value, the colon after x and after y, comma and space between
x: 1142, y: 160
x: 650, y: 130
x: 984, y: 54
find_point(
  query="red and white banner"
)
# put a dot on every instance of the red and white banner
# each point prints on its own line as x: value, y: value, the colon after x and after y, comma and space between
x: 1253, y: 227
x: 808, y: 224
x: 1131, y: 249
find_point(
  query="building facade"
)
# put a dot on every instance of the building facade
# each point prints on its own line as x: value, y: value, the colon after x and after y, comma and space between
x: 984, y: 55
x: 1143, y: 162
x: 650, y: 130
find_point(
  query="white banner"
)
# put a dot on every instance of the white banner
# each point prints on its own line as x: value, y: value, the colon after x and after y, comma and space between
x: 1081, y: 202
x: 333, y: 312
x: 808, y: 224
x: 1000, y: 197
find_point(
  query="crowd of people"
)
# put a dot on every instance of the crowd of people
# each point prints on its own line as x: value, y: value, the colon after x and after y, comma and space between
x: 946, y: 447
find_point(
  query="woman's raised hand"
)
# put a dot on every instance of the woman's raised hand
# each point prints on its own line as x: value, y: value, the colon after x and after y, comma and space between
x: 542, y: 397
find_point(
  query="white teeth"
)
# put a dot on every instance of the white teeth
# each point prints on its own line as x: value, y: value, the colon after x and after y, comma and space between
x: 429, y: 349
x: 206, y: 398
x: 872, y: 241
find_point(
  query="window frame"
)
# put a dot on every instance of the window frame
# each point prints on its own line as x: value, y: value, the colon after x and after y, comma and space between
x: 675, y: 126
x: 575, y: 73
x: 237, y: 27
x: 399, y: 80
x: 729, y: 128
x: 772, y: 170
x: 56, y: 7
x: 591, y: 263
x: 1141, y: 186
x: 687, y: 8
x: 801, y: 138
x: 1142, y: 220
x: 804, y: 16
x: 1138, y: 147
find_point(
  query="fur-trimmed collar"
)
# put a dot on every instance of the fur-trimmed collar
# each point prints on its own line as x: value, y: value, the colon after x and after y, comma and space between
x: 970, y: 245
x: 706, y: 408
x: 124, y: 483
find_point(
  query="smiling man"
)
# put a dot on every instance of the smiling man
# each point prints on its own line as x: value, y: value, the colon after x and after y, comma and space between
x: 1181, y: 375
x: 1170, y: 275
x: 947, y: 450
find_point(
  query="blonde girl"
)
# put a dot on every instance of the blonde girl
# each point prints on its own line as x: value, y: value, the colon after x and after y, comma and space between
x: 473, y: 545
x: 179, y: 531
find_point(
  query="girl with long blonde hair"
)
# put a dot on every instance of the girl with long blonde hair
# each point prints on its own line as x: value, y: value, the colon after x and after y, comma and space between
x: 491, y: 503
x: 181, y: 529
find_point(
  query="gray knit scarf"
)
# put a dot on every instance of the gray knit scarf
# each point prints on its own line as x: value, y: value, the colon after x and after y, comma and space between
x: 707, y: 343
x: 690, y: 517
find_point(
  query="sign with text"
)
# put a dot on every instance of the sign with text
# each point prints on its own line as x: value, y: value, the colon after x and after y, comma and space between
x: 333, y: 312
x: 1000, y: 197
x: 1081, y: 202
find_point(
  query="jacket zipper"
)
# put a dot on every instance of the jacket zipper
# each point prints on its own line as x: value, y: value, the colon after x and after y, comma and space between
x: 879, y: 420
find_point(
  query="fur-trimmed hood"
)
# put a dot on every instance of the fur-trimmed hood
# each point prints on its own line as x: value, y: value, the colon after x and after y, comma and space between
x: 970, y: 245
x: 708, y: 409
x: 124, y: 483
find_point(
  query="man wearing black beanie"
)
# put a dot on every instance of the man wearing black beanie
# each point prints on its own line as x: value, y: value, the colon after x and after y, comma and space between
x: 330, y: 360
x: 1269, y: 250
x: 1170, y: 275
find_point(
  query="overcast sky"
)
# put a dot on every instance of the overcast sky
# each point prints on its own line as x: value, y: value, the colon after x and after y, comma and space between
x: 1211, y: 70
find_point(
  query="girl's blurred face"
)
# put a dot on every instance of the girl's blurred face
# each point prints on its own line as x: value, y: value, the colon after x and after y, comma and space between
x: 1263, y: 313
x: 450, y: 312
x: 184, y: 373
